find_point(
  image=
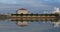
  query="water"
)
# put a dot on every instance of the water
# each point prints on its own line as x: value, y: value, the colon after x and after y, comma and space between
x: 33, y: 26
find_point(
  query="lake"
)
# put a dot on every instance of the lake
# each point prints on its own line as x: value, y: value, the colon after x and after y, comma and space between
x: 33, y: 26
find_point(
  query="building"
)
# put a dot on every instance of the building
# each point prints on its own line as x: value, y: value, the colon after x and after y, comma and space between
x: 22, y: 10
x: 56, y: 11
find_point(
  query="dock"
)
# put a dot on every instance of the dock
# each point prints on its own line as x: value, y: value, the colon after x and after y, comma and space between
x: 34, y: 16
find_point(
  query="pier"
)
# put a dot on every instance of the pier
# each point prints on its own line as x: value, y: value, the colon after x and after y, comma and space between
x: 34, y: 16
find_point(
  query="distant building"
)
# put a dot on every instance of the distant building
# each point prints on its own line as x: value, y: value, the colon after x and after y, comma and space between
x: 56, y: 11
x: 22, y: 10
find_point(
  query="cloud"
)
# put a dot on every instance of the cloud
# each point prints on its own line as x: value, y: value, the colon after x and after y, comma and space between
x: 8, y: 1
x: 27, y: 3
x: 32, y: 2
x: 35, y: 5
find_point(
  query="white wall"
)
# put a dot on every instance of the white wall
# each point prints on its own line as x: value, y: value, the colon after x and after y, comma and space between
x: 22, y: 11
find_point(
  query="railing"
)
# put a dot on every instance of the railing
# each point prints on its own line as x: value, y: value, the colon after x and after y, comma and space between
x: 34, y: 14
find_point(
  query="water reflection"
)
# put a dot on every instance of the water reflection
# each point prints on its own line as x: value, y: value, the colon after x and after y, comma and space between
x: 22, y: 23
x: 29, y: 26
x: 55, y: 23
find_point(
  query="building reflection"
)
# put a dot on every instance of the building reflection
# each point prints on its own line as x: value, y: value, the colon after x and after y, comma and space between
x: 55, y: 23
x: 22, y: 23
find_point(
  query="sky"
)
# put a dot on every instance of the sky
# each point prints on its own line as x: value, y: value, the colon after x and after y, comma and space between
x: 32, y: 5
